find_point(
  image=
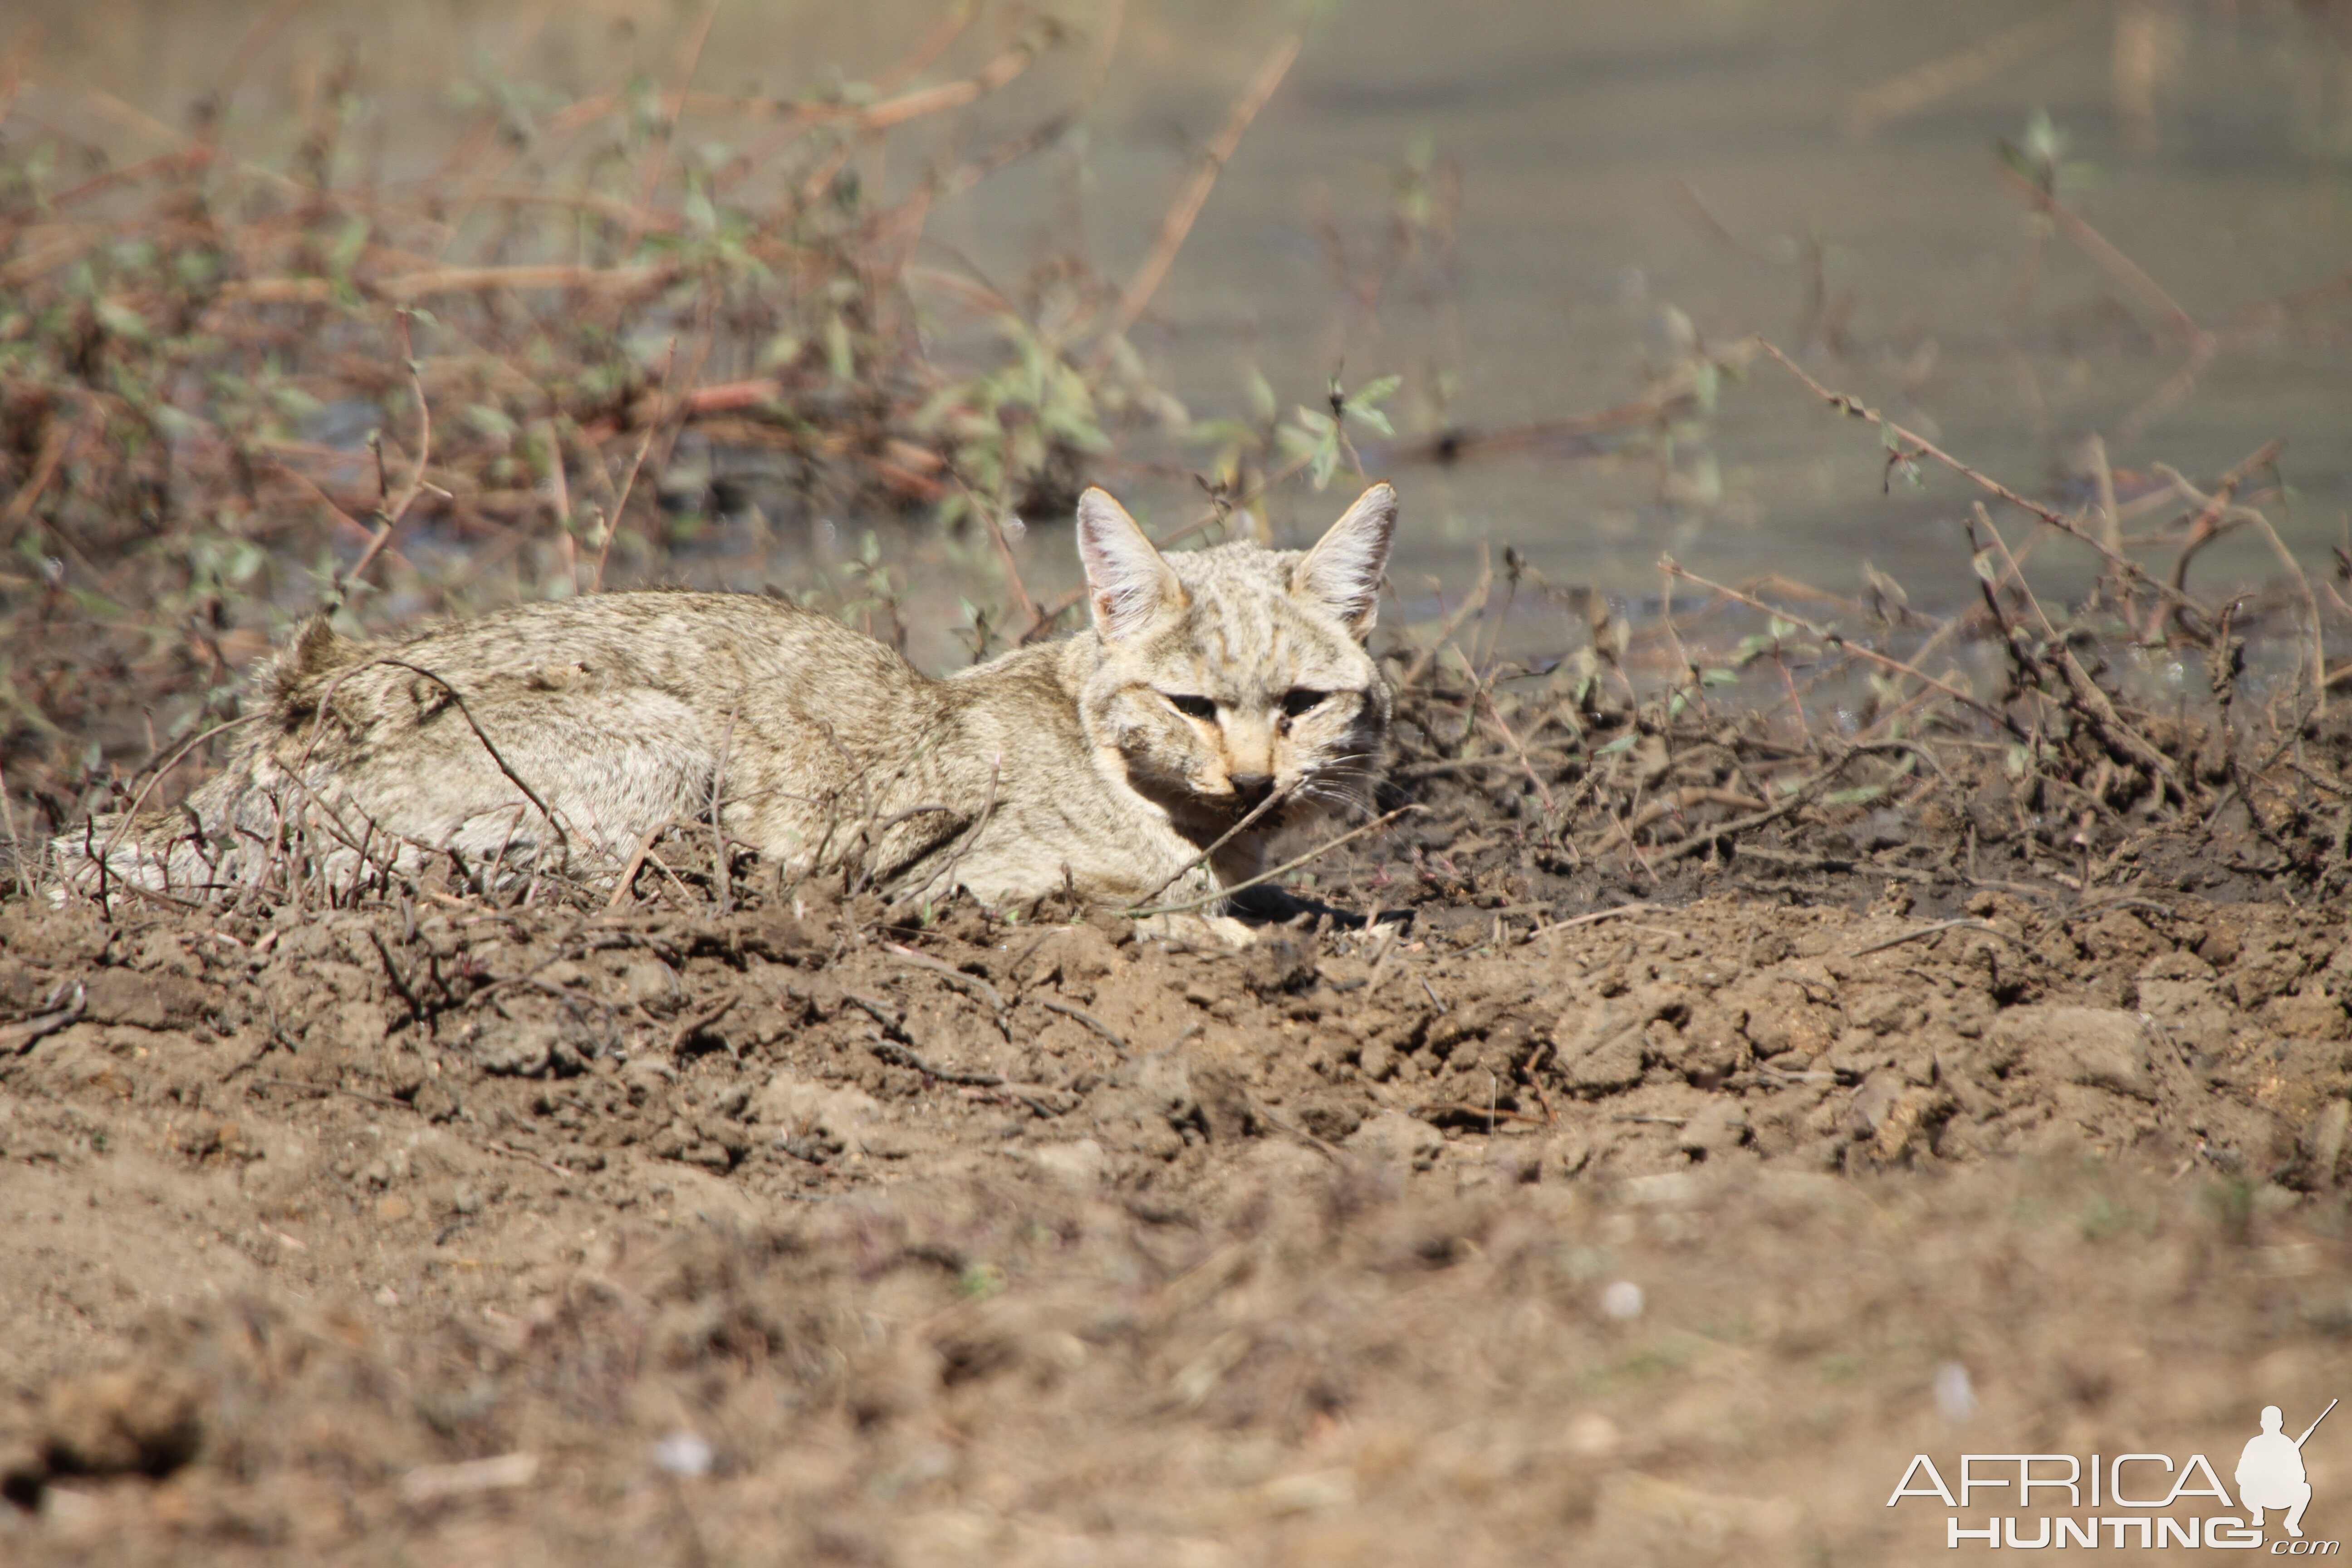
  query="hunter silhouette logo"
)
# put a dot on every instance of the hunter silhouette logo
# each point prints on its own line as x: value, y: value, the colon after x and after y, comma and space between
x: 2119, y: 1501
x: 2270, y: 1472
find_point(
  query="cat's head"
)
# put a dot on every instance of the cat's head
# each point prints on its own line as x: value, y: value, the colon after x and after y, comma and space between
x: 1230, y: 675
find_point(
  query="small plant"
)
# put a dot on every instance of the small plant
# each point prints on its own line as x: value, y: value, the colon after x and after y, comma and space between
x: 233, y: 394
x: 1320, y: 440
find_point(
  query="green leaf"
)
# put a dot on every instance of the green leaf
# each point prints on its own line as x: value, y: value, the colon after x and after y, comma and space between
x: 493, y: 422
x: 839, y: 357
x: 1625, y: 742
x: 294, y: 404
x: 175, y: 422
x: 122, y: 320
x: 350, y: 241
x: 1297, y: 443
x: 1264, y: 406
x: 1707, y: 380
x: 1327, y: 459
x: 1218, y: 432
x: 1373, y: 392
x: 2044, y: 141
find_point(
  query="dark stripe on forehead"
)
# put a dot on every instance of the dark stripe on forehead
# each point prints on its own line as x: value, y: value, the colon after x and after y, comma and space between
x: 1244, y: 635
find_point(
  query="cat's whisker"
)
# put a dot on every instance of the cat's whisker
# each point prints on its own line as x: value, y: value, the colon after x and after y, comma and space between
x: 1353, y: 804
x: 1324, y: 791
x: 1340, y: 778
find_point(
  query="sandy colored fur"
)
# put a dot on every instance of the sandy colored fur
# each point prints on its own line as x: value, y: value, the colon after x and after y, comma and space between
x: 557, y: 736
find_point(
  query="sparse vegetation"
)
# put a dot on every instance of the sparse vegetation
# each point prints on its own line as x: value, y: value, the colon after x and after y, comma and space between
x: 1753, y: 1025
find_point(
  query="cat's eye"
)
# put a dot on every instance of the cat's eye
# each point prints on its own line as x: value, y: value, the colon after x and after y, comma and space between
x: 1191, y: 707
x: 1298, y: 700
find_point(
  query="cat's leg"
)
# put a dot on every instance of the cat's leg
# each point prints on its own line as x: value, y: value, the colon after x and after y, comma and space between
x: 1142, y: 862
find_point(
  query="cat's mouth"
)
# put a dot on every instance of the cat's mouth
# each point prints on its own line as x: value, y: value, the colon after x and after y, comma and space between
x: 1251, y: 792
x: 1204, y: 817
x: 1257, y: 802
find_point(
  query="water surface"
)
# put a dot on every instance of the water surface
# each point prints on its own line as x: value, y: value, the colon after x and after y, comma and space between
x: 1630, y: 173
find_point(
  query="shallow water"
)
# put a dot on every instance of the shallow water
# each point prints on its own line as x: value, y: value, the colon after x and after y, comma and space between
x: 1620, y: 161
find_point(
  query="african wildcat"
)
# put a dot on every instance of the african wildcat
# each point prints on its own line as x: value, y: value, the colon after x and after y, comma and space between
x: 563, y: 734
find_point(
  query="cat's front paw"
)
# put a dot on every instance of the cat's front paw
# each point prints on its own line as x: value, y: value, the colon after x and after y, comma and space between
x: 1200, y: 931
x: 1229, y: 930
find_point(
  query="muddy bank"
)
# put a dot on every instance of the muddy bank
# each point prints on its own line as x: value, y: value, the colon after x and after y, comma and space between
x: 794, y: 1237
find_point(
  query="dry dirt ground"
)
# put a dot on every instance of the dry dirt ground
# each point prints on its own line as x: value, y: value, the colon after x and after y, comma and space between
x: 436, y: 1233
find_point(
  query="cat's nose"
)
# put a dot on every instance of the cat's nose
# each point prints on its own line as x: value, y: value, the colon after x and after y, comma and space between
x: 1251, y: 788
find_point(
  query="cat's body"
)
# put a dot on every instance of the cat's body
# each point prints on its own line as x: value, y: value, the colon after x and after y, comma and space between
x: 559, y: 736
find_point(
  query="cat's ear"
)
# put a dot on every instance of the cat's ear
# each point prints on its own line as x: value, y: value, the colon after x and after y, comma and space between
x: 1128, y: 582
x: 1342, y: 573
